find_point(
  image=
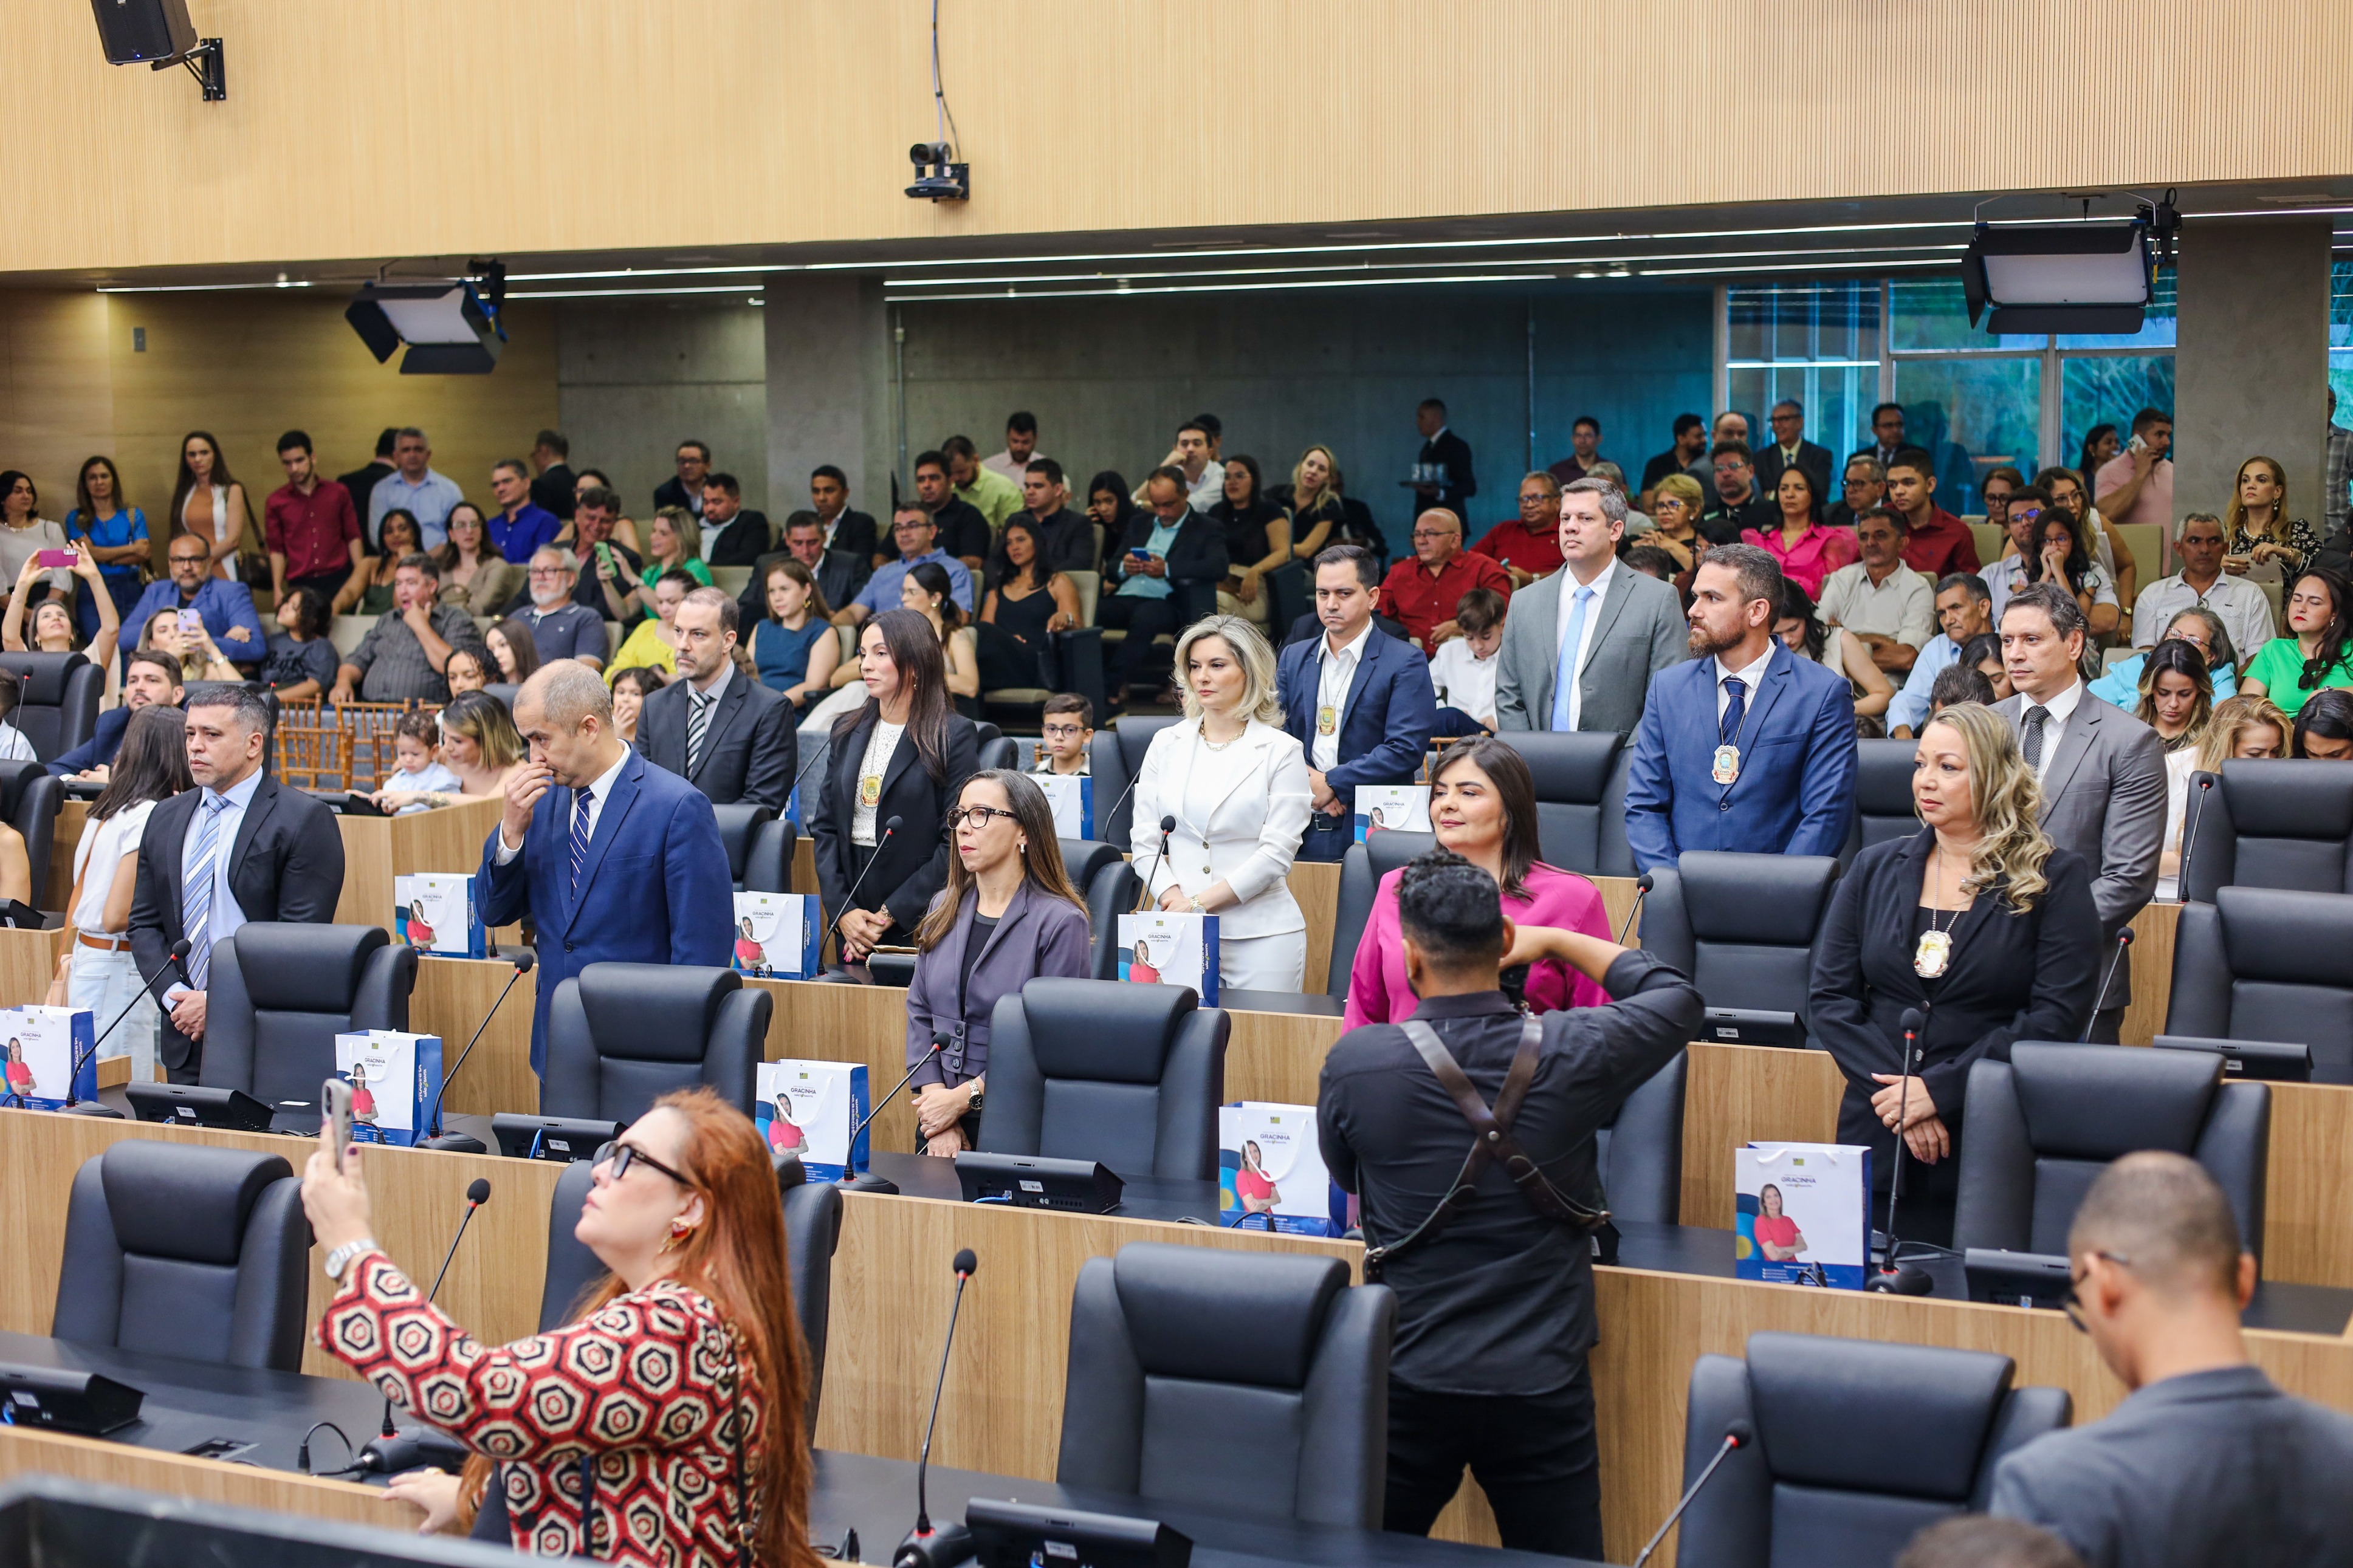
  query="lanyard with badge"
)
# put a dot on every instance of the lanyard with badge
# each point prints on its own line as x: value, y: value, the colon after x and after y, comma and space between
x: 1327, y: 712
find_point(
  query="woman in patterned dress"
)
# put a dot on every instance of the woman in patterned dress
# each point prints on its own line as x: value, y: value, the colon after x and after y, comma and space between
x: 675, y: 1391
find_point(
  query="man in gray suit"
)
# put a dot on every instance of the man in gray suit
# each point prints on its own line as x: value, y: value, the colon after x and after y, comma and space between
x: 2103, y: 770
x: 1611, y: 627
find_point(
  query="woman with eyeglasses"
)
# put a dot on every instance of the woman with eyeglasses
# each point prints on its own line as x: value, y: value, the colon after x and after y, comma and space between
x: 707, y: 1462
x: 2202, y: 629
x: 2317, y: 652
x: 1007, y: 915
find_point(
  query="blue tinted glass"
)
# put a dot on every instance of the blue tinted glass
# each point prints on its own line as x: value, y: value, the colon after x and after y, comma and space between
x: 1929, y: 313
x: 2109, y: 390
x: 2156, y: 331
x: 1814, y: 343
x: 1971, y: 415
x: 2340, y: 339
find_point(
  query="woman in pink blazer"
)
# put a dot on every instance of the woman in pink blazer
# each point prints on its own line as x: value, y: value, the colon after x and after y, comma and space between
x: 1482, y: 804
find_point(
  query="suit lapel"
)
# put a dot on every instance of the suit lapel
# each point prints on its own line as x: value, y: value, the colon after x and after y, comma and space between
x: 1612, y: 605
x: 608, y: 828
x: 2074, y: 743
x: 1778, y: 674
x: 256, y: 812
x: 730, y: 702
x: 903, y: 757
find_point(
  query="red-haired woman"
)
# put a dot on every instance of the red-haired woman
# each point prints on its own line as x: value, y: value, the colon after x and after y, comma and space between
x: 673, y: 1399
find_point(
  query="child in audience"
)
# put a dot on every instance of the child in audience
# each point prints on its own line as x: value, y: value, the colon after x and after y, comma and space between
x: 1070, y: 730
x: 420, y: 769
x: 1464, y: 669
x: 14, y: 745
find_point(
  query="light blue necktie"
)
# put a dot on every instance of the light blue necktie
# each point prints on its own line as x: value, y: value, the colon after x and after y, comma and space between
x: 196, y: 893
x: 1564, y: 681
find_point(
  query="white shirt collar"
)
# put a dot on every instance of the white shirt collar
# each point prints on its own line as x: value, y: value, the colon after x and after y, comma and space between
x: 1600, y: 584
x: 1753, y: 675
x: 2062, y: 707
x: 1353, y: 648
x: 601, y: 788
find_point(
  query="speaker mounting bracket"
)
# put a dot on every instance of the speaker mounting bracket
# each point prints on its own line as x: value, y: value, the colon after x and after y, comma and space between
x: 206, y: 63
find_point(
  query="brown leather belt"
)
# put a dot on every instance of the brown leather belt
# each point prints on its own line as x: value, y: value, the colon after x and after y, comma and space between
x: 103, y: 943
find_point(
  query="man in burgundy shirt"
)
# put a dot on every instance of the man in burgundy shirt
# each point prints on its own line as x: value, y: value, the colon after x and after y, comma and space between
x: 1528, y: 548
x: 1422, y: 593
x: 310, y: 524
x: 1935, y: 542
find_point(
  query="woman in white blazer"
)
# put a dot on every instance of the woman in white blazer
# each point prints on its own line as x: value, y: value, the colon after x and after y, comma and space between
x: 1237, y: 786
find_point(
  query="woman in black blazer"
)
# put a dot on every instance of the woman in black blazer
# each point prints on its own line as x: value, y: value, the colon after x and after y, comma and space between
x: 903, y: 755
x: 1980, y: 924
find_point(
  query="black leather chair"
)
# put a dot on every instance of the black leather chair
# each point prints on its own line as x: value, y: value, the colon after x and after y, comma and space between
x: 1883, y: 796
x: 2264, y: 963
x: 57, y: 707
x: 1580, y: 779
x: 1860, y: 1445
x: 29, y: 798
x: 187, y: 1250
x: 1095, y: 1069
x: 621, y: 1036
x: 997, y: 749
x: 1117, y: 757
x: 768, y: 863
x: 1165, y: 1401
x: 739, y: 821
x: 279, y: 995
x: 2280, y: 824
x: 1110, y: 887
x: 812, y: 1232
x: 2043, y: 1125
x: 1640, y: 1152
x: 1361, y: 870
x: 1742, y: 926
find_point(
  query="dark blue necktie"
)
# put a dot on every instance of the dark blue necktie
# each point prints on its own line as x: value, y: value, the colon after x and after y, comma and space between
x: 1735, y: 707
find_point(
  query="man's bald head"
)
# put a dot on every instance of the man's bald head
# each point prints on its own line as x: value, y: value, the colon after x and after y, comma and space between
x: 566, y: 691
x: 2168, y: 1216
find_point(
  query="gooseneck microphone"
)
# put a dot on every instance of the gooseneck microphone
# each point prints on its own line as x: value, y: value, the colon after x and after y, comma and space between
x: 849, y: 900
x: 1167, y: 826
x: 1104, y: 819
x: 927, y: 1546
x: 2201, y: 785
x: 1642, y: 890
x: 1736, y: 1435
x: 178, y: 955
x: 392, y: 1451
x: 2124, y: 941
x: 1896, y: 1277
x: 867, y: 1181
x: 458, y: 1142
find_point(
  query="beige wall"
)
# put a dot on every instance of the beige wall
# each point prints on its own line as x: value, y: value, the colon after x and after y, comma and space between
x: 439, y: 126
x: 245, y: 367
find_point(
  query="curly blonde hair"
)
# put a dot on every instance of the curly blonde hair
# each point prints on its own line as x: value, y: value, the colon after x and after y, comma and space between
x: 2234, y: 716
x: 2011, y: 847
x: 1261, y: 701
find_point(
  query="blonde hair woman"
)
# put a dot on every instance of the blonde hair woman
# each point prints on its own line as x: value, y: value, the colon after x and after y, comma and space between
x: 1676, y: 502
x: 2256, y: 527
x: 1236, y: 787
x: 1979, y: 920
x: 1312, y: 497
x: 2248, y: 728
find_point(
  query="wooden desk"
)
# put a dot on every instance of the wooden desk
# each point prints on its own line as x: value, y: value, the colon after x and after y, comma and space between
x: 28, y: 961
x: 378, y: 848
x: 452, y: 998
x: 63, y: 838
x: 1316, y: 885
x: 25, y: 1450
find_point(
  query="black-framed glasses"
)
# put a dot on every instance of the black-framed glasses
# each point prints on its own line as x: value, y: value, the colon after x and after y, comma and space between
x: 2072, y: 1304
x: 621, y: 1156
x: 978, y: 816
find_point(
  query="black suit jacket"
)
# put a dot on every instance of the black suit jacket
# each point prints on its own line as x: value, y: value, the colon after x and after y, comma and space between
x: 2009, y: 978
x: 751, y: 751
x: 1461, y: 485
x: 747, y: 536
x: 1069, y: 539
x: 908, y: 871
x: 1815, y: 460
x: 855, y: 534
x: 552, y: 491
x: 1196, y: 561
x: 670, y: 492
x: 286, y: 865
x: 362, y: 483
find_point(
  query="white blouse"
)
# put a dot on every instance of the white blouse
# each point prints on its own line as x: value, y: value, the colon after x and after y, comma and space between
x: 880, y: 745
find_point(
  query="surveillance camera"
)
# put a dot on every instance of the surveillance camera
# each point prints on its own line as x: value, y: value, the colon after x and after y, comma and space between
x: 924, y: 153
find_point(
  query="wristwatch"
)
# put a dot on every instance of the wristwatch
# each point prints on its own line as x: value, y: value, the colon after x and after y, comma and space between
x: 1194, y: 905
x: 341, y: 1259
x: 972, y: 1107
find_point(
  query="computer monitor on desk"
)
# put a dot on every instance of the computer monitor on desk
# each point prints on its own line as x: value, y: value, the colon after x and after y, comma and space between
x: 193, y: 1105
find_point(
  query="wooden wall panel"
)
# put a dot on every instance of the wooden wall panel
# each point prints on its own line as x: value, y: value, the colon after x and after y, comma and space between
x: 325, y: 150
x: 1740, y: 1094
x: 1316, y: 885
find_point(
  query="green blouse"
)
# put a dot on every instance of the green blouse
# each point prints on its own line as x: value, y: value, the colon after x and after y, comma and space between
x: 2280, y: 666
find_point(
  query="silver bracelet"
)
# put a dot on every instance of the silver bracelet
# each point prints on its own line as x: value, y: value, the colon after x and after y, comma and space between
x: 341, y: 1259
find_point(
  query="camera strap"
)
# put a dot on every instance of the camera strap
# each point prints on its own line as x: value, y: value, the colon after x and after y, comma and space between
x: 1492, y: 1141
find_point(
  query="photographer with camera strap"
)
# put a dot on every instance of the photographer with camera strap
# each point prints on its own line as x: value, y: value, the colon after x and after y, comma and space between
x: 1467, y: 1133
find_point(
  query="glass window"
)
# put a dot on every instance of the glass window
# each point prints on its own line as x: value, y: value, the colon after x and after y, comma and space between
x: 1930, y: 315
x: 2156, y: 328
x: 1817, y: 344
x: 2340, y: 339
x: 2108, y: 389
x: 1971, y: 413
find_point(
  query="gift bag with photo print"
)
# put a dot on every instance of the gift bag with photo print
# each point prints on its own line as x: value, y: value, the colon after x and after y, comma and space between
x: 1803, y: 1214
x: 1270, y: 1165
x: 1384, y: 806
x: 434, y: 912
x: 809, y: 1109
x: 1161, y: 949
x: 44, y: 1043
x: 1073, y: 797
x: 395, y: 1077
x: 776, y: 935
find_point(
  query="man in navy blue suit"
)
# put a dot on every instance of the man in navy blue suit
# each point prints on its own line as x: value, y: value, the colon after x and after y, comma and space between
x: 1748, y: 747
x: 615, y: 859
x: 1357, y: 699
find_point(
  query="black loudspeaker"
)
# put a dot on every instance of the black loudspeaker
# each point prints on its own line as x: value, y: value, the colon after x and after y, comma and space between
x: 134, y: 31
x: 65, y: 1401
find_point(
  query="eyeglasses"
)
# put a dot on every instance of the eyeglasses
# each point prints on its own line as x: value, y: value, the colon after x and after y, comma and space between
x: 978, y: 816
x: 621, y: 1156
x: 2073, y: 1305
x: 1064, y: 731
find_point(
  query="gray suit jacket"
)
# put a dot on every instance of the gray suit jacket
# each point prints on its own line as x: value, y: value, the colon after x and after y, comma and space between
x: 2103, y: 797
x: 1641, y: 632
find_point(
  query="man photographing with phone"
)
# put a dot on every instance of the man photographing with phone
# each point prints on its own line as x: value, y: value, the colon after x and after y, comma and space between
x: 227, y: 608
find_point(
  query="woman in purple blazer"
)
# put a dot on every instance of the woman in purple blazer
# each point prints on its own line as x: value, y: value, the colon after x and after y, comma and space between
x: 1482, y: 804
x: 1007, y: 915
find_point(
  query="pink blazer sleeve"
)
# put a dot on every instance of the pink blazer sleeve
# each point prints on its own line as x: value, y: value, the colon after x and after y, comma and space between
x: 1564, y: 899
x: 1368, y: 977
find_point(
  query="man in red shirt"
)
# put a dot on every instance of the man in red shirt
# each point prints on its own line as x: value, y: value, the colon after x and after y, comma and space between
x: 1935, y: 542
x: 1530, y: 547
x: 311, y: 526
x: 1422, y: 593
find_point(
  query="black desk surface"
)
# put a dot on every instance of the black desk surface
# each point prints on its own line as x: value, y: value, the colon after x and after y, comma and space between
x: 1667, y: 1249
x: 878, y: 1498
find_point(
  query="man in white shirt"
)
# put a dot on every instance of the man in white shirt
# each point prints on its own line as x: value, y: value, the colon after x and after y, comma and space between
x: 1020, y: 446
x: 1879, y: 599
x: 2202, y: 584
x: 1580, y: 647
x: 1965, y: 609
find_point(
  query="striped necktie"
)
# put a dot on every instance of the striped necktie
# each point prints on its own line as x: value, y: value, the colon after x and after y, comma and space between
x: 197, y: 892
x: 698, y: 724
x: 582, y: 800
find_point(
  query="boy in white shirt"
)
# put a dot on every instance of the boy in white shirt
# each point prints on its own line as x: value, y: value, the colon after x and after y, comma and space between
x: 1069, y: 724
x: 1464, y: 669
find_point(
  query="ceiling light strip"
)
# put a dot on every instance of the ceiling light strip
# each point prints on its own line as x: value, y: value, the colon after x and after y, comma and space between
x: 1222, y: 287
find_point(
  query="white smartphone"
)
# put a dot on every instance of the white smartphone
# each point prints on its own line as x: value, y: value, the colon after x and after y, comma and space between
x: 336, y: 1094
